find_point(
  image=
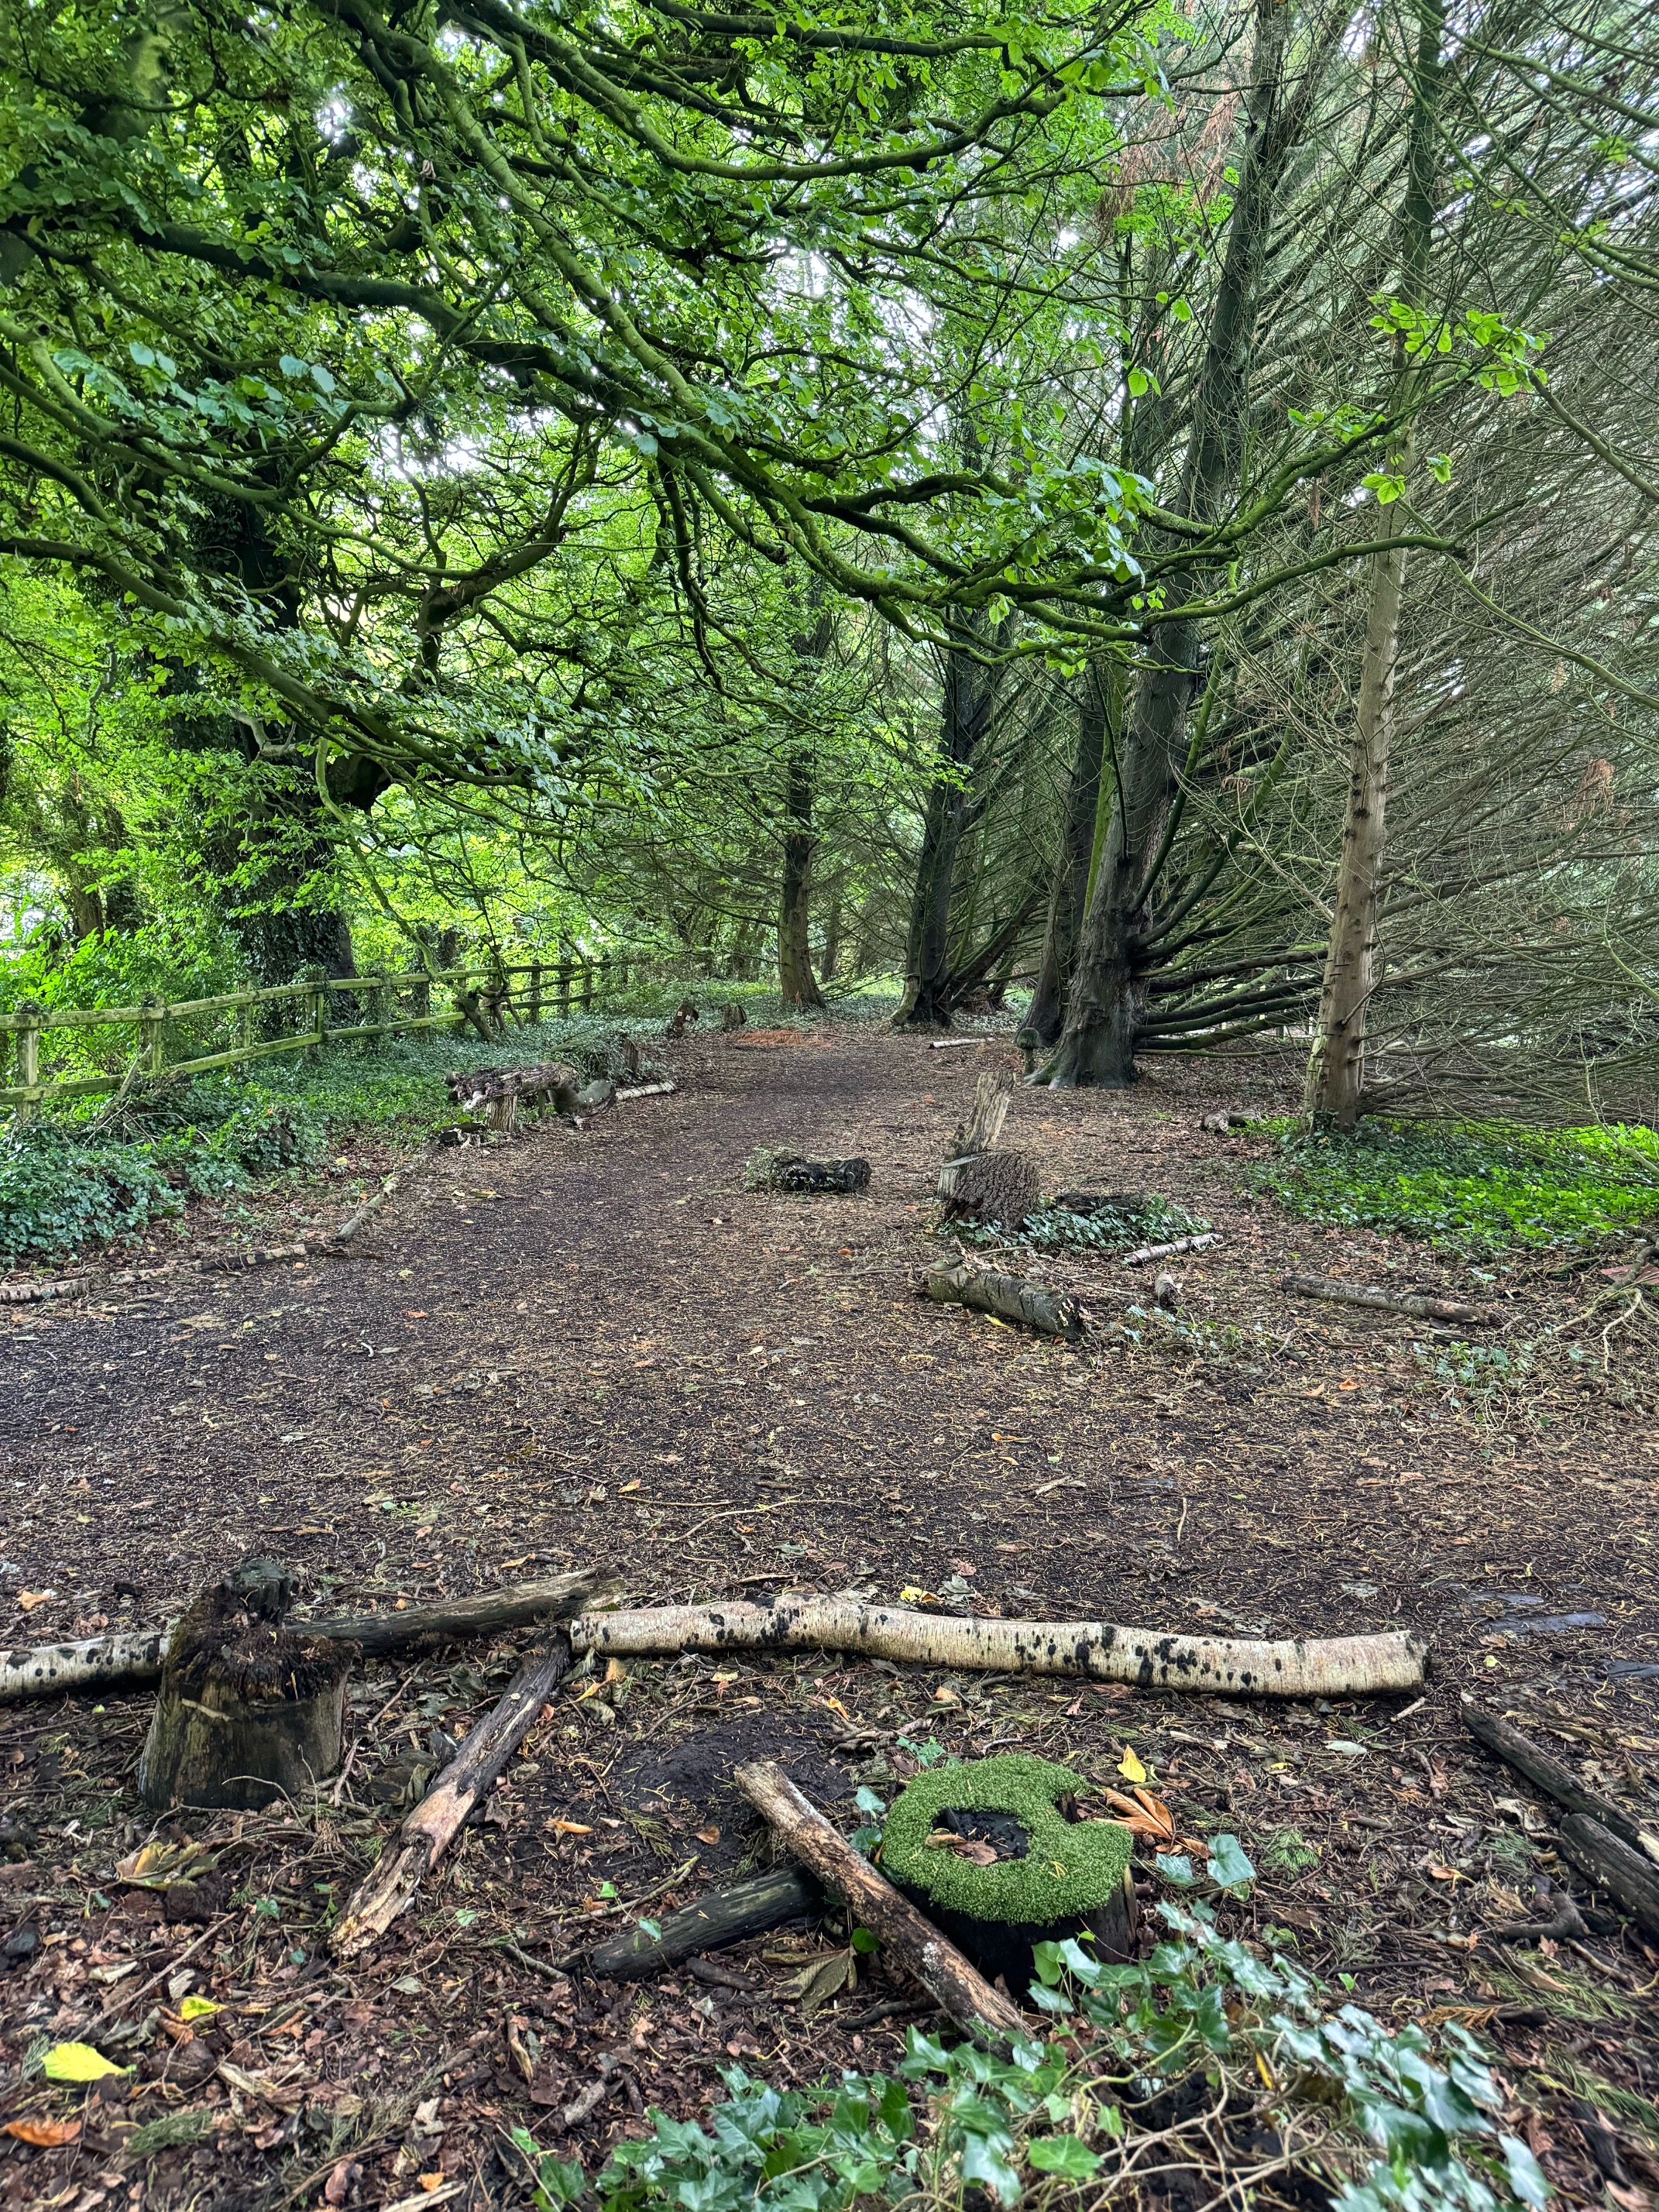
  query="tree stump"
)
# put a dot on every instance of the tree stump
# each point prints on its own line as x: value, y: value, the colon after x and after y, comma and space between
x: 247, y: 1710
x: 999, y: 1189
x: 988, y: 1850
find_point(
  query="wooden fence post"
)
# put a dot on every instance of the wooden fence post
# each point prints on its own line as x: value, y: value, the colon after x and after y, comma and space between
x: 28, y: 1053
x: 318, y: 982
x: 535, y: 990
x: 563, y: 975
x: 152, y: 1054
x: 588, y: 987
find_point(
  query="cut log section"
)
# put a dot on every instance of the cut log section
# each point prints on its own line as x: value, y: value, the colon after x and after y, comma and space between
x: 247, y: 1710
x: 1559, y: 1782
x: 979, y: 2011
x: 1371, y: 1294
x: 1330, y: 1666
x: 438, y: 1819
x: 133, y: 1661
x: 726, y: 1914
x: 1628, y: 1876
x: 1010, y: 1298
x: 801, y: 1177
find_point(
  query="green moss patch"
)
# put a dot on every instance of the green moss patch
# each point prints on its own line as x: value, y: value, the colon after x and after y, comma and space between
x: 1071, y: 1867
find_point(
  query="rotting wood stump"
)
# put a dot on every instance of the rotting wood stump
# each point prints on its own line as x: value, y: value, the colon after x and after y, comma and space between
x: 992, y: 1851
x: 247, y: 1710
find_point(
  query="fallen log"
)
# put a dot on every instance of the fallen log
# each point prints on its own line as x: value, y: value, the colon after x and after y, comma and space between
x: 1096, y: 1202
x: 725, y: 1914
x: 52, y: 1286
x: 643, y: 1091
x: 489, y: 1612
x: 1199, y: 1243
x: 501, y: 1089
x: 983, y: 2013
x: 127, y: 1660
x: 1556, y: 1780
x: 798, y: 1178
x: 133, y: 1660
x: 1331, y: 1667
x: 1011, y: 1298
x: 1370, y: 1294
x: 1629, y: 1877
x: 438, y: 1819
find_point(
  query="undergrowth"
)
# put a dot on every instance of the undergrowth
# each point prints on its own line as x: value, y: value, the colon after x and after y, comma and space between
x: 1479, y: 1189
x: 1204, y: 2072
x: 103, y: 1171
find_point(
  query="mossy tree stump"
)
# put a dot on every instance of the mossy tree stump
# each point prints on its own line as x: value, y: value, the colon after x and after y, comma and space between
x: 1052, y: 1875
x: 247, y: 1710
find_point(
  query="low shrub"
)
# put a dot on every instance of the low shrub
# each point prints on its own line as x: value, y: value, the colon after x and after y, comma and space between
x: 1478, y: 1189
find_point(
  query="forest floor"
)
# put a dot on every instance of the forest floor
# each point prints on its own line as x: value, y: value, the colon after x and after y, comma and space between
x: 598, y: 1346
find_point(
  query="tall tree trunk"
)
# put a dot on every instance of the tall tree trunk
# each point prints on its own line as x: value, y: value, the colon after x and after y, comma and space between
x: 797, y: 985
x: 1108, y: 993
x: 1068, y: 895
x: 964, y: 718
x: 1336, y: 1068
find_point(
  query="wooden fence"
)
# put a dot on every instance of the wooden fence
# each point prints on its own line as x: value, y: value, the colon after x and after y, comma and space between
x: 225, y: 1031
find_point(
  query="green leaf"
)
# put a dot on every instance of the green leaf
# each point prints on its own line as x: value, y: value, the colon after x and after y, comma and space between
x: 1526, y: 2175
x: 197, y: 2009
x: 1067, y: 2155
x: 1228, y: 1867
x: 1139, y: 383
x: 77, y: 2062
x: 865, y: 1940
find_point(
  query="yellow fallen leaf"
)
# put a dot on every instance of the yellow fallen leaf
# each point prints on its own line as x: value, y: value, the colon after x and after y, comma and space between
x: 29, y: 1599
x: 1129, y: 1766
x: 430, y: 2181
x: 196, y: 2009
x: 912, y: 1595
x: 77, y: 2062
x: 569, y: 1828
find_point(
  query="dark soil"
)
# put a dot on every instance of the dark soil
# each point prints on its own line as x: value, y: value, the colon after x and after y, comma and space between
x: 598, y: 1346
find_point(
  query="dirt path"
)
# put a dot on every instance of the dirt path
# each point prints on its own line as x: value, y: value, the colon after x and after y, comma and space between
x: 599, y: 1346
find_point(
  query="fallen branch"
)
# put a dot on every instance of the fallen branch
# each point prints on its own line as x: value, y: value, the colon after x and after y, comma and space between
x: 643, y: 1091
x: 1556, y: 1780
x: 133, y: 1661
x: 955, y: 1044
x: 1629, y: 1877
x: 1167, y: 1251
x: 722, y: 1915
x: 438, y: 1819
x: 979, y: 2010
x: 1011, y: 1298
x: 501, y: 1089
x: 53, y: 1286
x: 1368, y: 1294
x: 125, y: 1661
x: 1333, y: 1667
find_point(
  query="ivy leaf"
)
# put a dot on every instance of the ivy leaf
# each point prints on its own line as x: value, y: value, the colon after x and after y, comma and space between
x: 1229, y: 1868
x: 1067, y: 2155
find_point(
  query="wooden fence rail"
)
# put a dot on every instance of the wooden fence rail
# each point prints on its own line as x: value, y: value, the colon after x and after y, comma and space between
x: 525, y: 991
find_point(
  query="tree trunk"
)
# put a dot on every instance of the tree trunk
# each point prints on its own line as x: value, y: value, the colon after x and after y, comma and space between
x: 1107, y: 996
x: 1336, y: 1069
x: 911, y: 1941
x: 797, y: 985
x: 1331, y: 1667
x: 965, y: 718
x: 1068, y: 895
